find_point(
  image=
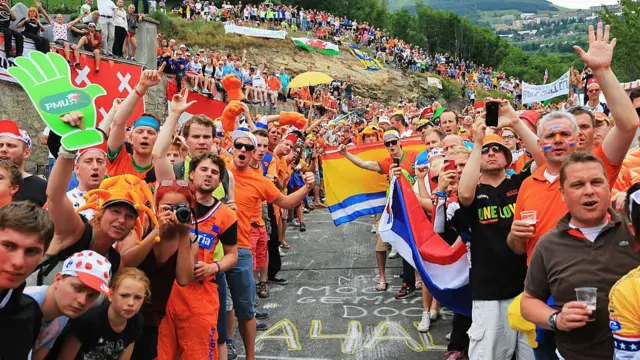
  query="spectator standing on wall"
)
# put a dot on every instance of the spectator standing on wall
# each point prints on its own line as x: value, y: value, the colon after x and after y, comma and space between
x: 106, y: 9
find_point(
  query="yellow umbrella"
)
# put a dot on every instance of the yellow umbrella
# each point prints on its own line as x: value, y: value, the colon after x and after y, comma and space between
x: 310, y: 79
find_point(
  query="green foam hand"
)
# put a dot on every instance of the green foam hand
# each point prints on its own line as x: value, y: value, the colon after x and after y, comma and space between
x: 47, y: 81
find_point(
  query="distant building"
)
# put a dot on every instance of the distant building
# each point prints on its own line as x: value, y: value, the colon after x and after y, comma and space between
x: 508, y: 18
x: 525, y: 16
x: 517, y: 24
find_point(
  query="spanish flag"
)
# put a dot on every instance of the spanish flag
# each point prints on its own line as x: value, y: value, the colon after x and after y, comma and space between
x: 353, y: 192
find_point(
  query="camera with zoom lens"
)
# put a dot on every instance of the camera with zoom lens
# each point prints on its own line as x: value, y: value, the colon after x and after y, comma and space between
x: 182, y: 211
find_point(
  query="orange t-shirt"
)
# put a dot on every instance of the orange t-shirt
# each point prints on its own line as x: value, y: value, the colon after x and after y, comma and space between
x: 271, y: 170
x: 251, y: 189
x: 407, y: 162
x: 274, y: 83
x: 121, y: 163
x: 536, y: 193
x: 210, y: 225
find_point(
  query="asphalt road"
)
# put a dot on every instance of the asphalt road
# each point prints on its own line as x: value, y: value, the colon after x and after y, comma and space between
x: 330, y: 309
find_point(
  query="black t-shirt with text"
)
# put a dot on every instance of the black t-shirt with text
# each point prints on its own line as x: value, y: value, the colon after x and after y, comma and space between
x: 34, y: 189
x: 497, y: 273
x: 98, y: 339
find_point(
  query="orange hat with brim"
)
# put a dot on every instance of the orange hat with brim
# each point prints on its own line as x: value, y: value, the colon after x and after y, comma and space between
x: 493, y: 139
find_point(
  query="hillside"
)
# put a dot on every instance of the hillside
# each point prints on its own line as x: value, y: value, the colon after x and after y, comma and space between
x: 387, y: 85
x: 470, y: 8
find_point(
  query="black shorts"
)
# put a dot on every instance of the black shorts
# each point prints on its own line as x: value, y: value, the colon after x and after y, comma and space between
x: 281, y: 97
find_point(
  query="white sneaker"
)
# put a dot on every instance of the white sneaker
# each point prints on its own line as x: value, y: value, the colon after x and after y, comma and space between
x: 296, y: 222
x: 281, y: 252
x: 425, y: 323
x: 196, y: 89
x: 433, y: 314
x: 448, y: 336
x: 373, y: 228
x: 393, y: 254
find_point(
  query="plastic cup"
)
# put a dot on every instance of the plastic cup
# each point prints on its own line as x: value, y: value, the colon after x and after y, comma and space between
x: 589, y: 296
x: 529, y: 216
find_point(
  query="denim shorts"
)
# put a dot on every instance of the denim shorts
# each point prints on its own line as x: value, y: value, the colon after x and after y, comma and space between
x: 221, y: 280
x: 242, y: 285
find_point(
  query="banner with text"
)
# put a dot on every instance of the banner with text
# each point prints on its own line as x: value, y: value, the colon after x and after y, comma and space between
x: 367, y: 61
x: 255, y: 32
x: 538, y: 93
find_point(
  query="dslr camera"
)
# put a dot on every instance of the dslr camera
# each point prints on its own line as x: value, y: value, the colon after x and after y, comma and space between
x: 182, y: 211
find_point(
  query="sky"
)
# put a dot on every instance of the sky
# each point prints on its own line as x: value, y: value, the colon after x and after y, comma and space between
x: 582, y: 4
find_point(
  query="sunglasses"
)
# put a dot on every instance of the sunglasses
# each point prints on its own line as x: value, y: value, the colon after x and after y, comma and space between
x: 179, y: 182
x: 638, y: 111
x: 247, y: 147
x: 391, y: 143
x: 494, y: 148
x: 594, y: 90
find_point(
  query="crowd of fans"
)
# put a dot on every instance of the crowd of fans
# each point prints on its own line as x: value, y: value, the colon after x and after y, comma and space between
x: 158, y: 236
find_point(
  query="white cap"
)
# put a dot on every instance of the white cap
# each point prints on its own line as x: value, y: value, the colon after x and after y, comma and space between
x: 239, y: 134
x: 384, y: 120
x: 93, y: 269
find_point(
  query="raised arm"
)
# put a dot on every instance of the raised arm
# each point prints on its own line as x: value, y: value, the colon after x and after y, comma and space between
x: 363, y: 164
x: 598, y: 58
x: 148, y: 79
x: 67, y: 223
x: 44, y: 12
x: 509, y: 118
x: 163, y: 167
x: 75, y: 21
x: 105, y: 124
x: 292, y: 200
x: 471, y: 172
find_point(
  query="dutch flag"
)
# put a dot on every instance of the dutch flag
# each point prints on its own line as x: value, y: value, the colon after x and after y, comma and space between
x: 444, y: 269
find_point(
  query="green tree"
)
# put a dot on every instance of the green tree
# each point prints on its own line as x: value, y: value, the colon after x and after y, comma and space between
x: 626, y: 30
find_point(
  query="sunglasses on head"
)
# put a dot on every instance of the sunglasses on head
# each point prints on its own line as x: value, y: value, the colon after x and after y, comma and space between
x: 391, y: 143
x: 179, y: 182
x: 248, y: 147
x: 495, y: 148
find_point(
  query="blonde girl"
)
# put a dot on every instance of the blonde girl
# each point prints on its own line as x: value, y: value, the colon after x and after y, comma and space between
x: 110, y: 330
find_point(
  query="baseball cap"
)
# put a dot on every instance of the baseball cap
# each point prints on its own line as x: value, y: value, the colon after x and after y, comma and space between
x: 102, y: 147
x: 422, y: 123
x: 91, y: 24
x: 93, y: 270
x: 390, y: 135
x: 493, y: 139
x: 384, y: 120
x: 182, y: 46
x: 239, y: 134
x: 592, y: 83
x: 531, y: 116
x: 121, y: 202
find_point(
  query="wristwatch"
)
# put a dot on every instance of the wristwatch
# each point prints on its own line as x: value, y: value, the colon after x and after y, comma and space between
x: 552, y: 321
